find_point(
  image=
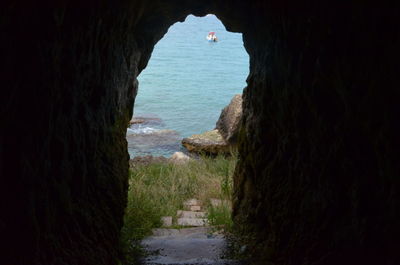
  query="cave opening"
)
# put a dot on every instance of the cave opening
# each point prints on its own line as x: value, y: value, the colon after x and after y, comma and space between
x: 317, y: 178
x: 186, y: 84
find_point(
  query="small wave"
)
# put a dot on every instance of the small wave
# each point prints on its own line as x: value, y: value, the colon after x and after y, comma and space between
x: 141, y: 130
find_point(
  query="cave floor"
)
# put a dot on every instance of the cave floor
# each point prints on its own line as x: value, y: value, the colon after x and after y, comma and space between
x: 194, y: 246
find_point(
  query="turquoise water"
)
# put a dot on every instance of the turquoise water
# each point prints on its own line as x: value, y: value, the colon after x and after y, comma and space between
x: 186, y: 84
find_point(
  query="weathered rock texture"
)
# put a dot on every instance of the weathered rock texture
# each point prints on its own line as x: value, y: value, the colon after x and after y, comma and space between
x: 210, y: 142
x: 229, y: 120
x: 318, y: 175
x: 223, y: 139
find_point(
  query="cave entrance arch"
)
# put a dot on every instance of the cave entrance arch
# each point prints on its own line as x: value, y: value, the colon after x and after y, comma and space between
x: 194, y: 80
x: 186, y: 84
x: 320, y: 135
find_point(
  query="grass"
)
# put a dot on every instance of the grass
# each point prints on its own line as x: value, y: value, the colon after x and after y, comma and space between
x: 220, y: 216
x: 158, y: 190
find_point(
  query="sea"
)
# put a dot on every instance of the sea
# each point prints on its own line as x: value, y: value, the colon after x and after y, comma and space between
x: 186, y: 84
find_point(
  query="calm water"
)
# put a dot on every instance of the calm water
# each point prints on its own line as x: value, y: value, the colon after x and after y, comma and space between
x: 186, y: 84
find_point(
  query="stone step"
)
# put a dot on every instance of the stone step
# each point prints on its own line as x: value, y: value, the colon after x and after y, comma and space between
x: 166, y: 221
x: 193, y: 208
x: 185, y: 232
x: 190, y: 214
x: 192, y: 202
x: 192, y: 221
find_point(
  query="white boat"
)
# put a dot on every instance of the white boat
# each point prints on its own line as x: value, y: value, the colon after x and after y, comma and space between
x: 211, y: 37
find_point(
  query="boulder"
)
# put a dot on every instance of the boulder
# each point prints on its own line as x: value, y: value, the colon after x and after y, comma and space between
x: 210, y: 142
x: 179, y: 158
x: 229, y: 120
x: 224, y: 136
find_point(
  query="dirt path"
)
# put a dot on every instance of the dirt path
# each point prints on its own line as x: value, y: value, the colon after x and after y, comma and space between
x: 194, y: 246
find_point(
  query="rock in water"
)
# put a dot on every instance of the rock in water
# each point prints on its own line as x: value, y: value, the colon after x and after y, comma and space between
x: 210, y: 142
x: 136, y: 121
x: 229, y: 120
x: 224, y: 136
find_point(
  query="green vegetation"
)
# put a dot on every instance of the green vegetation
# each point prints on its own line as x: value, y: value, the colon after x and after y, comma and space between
x: 159, y: 189
x: 220, y: 216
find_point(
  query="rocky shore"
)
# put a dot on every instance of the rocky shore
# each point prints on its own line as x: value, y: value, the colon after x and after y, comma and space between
x: 147, y: 133
x: 222, y: 139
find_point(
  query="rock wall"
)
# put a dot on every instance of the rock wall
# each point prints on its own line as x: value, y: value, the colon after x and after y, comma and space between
x: 317, y: 178
x: 69, y: 73
x: 69, y: 86
x: 69, y: 90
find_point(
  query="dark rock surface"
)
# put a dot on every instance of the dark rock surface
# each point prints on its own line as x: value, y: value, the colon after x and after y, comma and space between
x: 229, y: 120
x: 317, y: 178
x: 317, y: 181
